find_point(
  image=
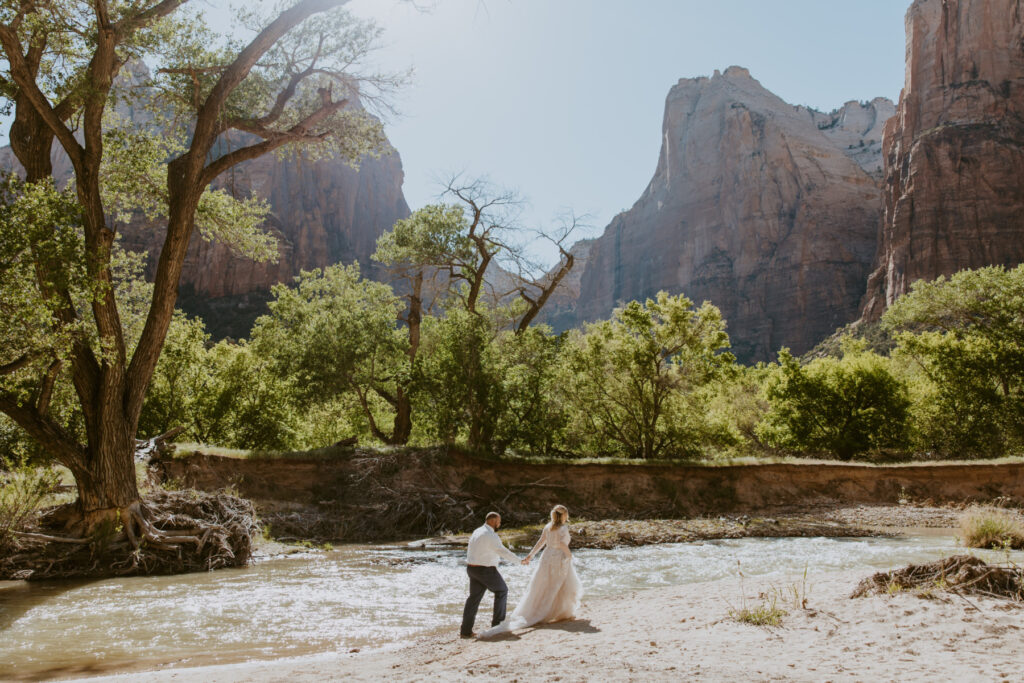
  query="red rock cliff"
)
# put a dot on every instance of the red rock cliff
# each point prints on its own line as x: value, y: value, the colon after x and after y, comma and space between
x: 954, y: 153
x: 767, y: 210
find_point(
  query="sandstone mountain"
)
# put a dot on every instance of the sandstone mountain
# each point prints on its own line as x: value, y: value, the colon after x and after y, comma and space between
x: 322, y: 212
x: 954, y: 152
x: 768, y: 210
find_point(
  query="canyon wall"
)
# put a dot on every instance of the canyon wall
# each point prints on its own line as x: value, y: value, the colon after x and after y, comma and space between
x: 954, y: 152
x: 768, y: 210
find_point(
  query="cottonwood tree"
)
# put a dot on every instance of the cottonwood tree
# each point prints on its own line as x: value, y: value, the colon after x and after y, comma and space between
x: 334, y: 333
x: 291, y: 83
x: 965, y: 334
x: 469, y: 254
x: 632, y: 380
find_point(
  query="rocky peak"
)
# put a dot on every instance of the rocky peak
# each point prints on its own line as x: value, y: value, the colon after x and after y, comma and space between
x: 856, y: 128
x: 752, y: 206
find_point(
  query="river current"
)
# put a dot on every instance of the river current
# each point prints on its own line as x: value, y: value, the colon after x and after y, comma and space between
x: 357, y: 597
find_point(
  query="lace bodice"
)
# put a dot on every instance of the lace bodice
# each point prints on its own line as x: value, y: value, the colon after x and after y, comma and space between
x: 556, y: 539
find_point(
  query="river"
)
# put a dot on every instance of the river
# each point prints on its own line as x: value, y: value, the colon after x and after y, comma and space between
x: 357, y: 597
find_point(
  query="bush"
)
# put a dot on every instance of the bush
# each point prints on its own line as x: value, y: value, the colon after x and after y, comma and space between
x: 992, y: 528
x: 843, y: 406
x: 22, y: 490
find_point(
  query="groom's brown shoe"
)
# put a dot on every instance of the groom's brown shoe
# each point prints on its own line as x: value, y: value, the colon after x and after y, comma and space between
x: 467, y: 635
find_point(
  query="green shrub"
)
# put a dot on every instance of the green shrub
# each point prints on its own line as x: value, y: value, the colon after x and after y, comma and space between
x: 638, y: 385
x: 842, y: 406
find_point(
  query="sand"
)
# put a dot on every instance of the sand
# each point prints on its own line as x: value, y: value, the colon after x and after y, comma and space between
x: 686, y: 633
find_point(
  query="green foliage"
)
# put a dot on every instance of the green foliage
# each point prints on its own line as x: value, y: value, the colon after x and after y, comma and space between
x: 334, y: 335
x: 531, y: 417
x: 181, y: 391
x: 843, y: 406
x: 457, y: 384
x: 432, y: 237
x: 225, y: 394
x: 965, y: 336
x: 23, y: 489
x: 635, y: 383
x: 251, y: 406
x: 736, y: 405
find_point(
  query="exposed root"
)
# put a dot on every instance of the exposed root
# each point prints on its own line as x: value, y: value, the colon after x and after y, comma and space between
x: 960, y: 574
x: 168, y: 533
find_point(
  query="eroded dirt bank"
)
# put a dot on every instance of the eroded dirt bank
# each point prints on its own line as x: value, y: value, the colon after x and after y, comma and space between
x: 372, y: 496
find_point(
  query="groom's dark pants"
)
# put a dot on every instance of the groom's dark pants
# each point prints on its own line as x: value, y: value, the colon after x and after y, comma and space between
x: 481, y: 580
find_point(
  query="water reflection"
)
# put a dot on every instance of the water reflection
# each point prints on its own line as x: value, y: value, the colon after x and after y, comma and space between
x: 356, y: 597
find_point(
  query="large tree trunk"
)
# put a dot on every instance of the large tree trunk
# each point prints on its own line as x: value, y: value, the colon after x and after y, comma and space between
x: 107, y: 483
x: 403, y: 401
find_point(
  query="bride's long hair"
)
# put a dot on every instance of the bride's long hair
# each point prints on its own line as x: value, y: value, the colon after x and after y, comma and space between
x: 559, y: 515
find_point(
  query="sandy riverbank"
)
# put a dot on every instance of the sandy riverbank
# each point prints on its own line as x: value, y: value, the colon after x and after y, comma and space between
x: 686, y: 633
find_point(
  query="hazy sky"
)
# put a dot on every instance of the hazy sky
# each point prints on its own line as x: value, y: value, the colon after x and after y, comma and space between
x: 563, y: 99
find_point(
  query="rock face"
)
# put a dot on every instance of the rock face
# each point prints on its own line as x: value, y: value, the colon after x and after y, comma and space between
x: 954, y: 153
x: 767, y: 210
x: 322, y: 212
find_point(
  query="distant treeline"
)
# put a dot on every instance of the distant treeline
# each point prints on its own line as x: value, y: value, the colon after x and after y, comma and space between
x: 440, y: 356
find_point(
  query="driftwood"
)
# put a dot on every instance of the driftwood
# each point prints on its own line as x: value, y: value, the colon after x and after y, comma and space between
x: 960, y: 574
x: 158, y: 446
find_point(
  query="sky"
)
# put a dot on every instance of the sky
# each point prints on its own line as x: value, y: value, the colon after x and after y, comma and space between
x: 562, y: 100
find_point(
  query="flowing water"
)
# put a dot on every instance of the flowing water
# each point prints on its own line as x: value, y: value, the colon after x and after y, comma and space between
x: 356, y: 597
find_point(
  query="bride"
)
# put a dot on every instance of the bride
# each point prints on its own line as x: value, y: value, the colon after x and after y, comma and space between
x: 554, y: 592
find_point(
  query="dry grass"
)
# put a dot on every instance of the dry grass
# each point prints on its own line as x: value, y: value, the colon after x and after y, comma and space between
x: 987, y: 527
x: 725, y: 459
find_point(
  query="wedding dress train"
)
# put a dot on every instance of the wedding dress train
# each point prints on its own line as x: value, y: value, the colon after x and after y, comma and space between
x: 554, y: 591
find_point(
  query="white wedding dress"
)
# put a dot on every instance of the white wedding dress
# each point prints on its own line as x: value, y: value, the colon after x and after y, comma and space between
x: 554, y: 592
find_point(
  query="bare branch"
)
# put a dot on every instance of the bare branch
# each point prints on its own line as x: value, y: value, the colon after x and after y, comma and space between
x: 296, y: 133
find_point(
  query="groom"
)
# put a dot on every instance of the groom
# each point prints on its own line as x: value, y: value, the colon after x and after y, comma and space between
x: 485, y: 552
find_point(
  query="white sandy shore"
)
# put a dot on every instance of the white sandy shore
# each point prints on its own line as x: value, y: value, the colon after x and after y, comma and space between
x: 686, y: 633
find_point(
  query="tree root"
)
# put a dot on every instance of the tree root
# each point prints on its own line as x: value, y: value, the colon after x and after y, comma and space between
x: 170, y: 532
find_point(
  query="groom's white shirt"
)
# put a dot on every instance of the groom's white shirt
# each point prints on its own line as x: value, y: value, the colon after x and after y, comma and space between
x: 486, y: 548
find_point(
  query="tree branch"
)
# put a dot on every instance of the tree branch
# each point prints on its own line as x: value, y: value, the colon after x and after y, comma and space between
x: 16, y: 364
x: 21, y: 72
x: 273, y: 141
x: 208, y: 115
x: 158, y: 11
x: 44, y: 430
x: 46, y: 390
